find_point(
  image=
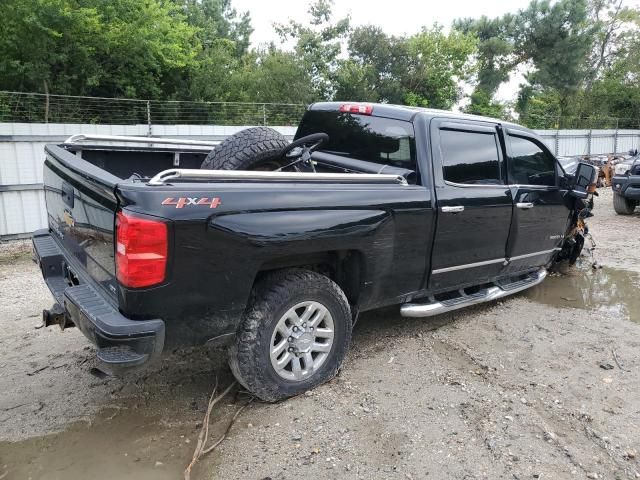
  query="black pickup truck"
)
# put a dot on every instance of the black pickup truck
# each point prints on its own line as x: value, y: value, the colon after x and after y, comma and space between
x: 273, y: 248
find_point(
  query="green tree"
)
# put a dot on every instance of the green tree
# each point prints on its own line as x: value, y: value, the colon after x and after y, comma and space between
x: 318, y: 45
x: 552, y: 40
x: 438, y: 63
x: 482, y: 104
x: 40, y: 47
x: 91, y: 47
x: 217, y: 19
x: 275, y: 76
x: 375, y: 68
x: 425, y: 69
x: 559, y: 39
x: 615, y: 92
x: 497, y: 57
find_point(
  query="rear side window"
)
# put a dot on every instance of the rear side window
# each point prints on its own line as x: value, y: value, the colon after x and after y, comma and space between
x: 361, y: 137
x: 528, y: 164
x: 470, y: 157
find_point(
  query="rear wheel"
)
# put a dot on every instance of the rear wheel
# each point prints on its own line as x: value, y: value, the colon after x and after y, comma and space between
x: 294, y: 335
x: 256, y: 148
x: 622, y: 205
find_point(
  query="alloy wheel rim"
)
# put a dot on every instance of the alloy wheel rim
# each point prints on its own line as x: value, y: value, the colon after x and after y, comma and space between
x: 301, y: 341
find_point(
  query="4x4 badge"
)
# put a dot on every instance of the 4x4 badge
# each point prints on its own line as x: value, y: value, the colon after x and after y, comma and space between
x: 188, y: 201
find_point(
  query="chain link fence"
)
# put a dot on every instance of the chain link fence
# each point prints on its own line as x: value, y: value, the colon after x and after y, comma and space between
x: 42, y: 108
x: 541, y: 122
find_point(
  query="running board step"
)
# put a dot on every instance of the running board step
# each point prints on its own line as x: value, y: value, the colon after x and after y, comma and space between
x: 121, y: 355
x: 498, y: 290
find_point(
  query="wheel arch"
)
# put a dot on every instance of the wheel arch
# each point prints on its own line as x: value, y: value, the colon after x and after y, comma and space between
x: 346, y: 268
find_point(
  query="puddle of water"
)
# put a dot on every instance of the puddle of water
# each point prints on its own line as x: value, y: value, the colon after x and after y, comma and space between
x: 606, y: 289
x: 127, y: 445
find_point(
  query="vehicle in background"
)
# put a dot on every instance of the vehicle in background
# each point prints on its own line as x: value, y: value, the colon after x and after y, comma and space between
x: 626, y: 185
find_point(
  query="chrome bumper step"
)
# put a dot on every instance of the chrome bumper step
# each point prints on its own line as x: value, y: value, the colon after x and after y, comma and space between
x: 496, y: 291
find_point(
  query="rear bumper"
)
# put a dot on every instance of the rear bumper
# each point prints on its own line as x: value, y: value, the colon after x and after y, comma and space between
x: 627, y: 186
x: 121, y: 342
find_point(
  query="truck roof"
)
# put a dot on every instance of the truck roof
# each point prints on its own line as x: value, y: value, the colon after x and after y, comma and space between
x: 407, y: 113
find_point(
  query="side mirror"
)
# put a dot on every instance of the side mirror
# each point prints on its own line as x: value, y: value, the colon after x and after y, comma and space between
x: 584, y: 177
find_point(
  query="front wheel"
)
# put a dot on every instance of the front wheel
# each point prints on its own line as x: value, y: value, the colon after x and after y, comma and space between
x: 622, y: 205
x: 294, y: 335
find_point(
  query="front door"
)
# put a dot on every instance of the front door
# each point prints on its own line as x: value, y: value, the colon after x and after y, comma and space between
x: 540, y: 216
x: 474, y: 204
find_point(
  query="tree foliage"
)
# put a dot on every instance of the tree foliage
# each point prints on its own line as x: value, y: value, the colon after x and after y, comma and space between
x: 318, y: 45
x: 425, y: 69
x: 580, y: 58
x: 91, y: 47
x: 569, y: 49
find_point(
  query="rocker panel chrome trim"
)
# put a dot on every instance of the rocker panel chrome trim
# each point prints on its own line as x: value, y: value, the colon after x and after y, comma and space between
x: 534, y: 254
x: 468, y: 265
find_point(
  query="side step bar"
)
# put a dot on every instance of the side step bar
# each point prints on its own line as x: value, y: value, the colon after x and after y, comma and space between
x: 498, y: 290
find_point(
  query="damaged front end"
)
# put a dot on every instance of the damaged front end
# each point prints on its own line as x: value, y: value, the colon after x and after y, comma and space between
x: 581, y: 188
x: 578, y: 231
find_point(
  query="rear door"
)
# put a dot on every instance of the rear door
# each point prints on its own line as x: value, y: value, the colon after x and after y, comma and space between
x: 474, y: 203
x: 540, y: 216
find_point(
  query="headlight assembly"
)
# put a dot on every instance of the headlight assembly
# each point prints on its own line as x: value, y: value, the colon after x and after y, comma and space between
x: 622, y: 168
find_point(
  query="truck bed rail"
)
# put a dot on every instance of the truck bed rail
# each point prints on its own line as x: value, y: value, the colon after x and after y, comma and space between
x: 82, y: 137
x: 196, y: 174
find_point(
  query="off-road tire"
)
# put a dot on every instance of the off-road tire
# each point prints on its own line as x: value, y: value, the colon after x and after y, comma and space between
x: 622, y: 205
x: 246, y: 150
x: 270, y: 299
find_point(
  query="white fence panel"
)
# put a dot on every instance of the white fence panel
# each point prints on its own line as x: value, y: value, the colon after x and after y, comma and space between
x: 567, y: 143
x: 628, y: 140
x: 22, y: 206
x: 22, y: 212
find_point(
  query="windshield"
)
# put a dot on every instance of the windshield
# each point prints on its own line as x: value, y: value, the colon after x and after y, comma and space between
x: 362, y: 137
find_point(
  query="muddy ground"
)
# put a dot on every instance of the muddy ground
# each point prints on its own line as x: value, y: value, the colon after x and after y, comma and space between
x: 541, y: 385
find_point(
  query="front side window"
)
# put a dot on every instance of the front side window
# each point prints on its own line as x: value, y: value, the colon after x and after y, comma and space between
x: 470, y: 157
x: 528, y: 164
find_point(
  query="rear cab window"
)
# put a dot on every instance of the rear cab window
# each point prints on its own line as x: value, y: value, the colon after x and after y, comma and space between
x: 380, y: 140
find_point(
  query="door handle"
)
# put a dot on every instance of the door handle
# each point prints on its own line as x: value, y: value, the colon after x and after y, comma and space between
x: 457, y: 209
x: 525, y: 205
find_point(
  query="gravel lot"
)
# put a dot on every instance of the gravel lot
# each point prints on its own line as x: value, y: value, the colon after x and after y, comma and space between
x: 542, y: 385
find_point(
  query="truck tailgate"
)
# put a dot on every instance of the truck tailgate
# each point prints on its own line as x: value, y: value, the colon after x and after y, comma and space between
x: 81, y: 206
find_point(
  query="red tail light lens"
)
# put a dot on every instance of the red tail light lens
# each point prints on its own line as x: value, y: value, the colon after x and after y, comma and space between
x: 141, y: 251
x: 356, y: 108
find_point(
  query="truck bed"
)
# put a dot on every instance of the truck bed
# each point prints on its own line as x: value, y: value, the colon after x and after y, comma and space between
x: 224, y: 228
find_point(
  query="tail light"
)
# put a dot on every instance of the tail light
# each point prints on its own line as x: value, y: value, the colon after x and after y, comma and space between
x: 356, y: 108
x: 141, y: 251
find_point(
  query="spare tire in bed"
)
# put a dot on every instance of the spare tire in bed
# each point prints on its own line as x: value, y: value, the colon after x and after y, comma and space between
x: 256, y: 148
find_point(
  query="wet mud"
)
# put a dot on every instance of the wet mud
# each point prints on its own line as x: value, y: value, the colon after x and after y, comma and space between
x: 607, y: 289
